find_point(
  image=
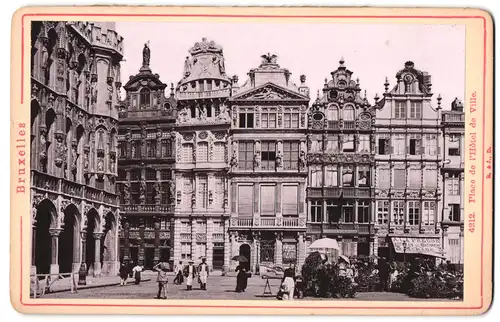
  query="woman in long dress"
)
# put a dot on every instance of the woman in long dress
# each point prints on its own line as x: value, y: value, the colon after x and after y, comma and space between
x: 241, y: 278
x: 288, y: 283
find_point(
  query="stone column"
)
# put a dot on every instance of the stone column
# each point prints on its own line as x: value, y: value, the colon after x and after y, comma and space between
x: 84, y: 247
x: 227, y: 248
x: 126, y: 242
x: 254, y: 260
x: 278, y: 249
x: 97, y: 259
x: 157, y: 241
x: 33, y: 247
x: 355, y: 241
x: 177, y: 240
x: 142, y: 244
x: 210, y: 244
x: 461, y: 236
x: 54, y: 264
x: 194, y: 231
x: 301, y: 251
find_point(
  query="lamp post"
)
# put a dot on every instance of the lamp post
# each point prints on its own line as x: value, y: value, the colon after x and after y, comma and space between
x: 404, y: 251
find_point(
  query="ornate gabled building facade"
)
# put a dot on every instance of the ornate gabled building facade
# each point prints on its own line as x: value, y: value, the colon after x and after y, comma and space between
x: 146, y: 147
x: 340, y: 193
x: 453, y: 127
x: 268, y: 167
x: 408, y: 167
x: 202, y: 130
x: 74, y: 96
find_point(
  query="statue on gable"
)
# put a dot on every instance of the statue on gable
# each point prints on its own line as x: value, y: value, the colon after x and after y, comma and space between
x: 302, y: 160
x: 269, y: 59
x: 224, y: 113
x: 187, y: 67
x: 146, y: 55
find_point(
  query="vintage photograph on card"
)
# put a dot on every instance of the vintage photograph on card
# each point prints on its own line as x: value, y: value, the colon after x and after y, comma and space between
x: 251, y: 160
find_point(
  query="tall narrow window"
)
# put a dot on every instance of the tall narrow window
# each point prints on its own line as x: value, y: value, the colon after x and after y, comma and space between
x: 431, y: 178
x: 151, y: 148
x: 245, y: 200
x: 348, y: 143
x: 400, y: 109
x: 454, y: 212
x: 268, y: 155
x: 413, y: 213
x: 331, y: 176
x: 347, y: 176
x: 150, y: 174
x: 316, y: 211
x: 415, y: 178
x: 363, y: 212
x: 429, y: 212
x: 219, y: 191
x: 384, y: 178
x: 202, y: 152
x: 383, y: 146
x: 333, y: 212
x: 398, y: 212
x: 145, y: 98
x: 202, y: 191
x: 416, y: 110
x: 187, y: 152
x: 245, y: 157
x: 166, y: 148
x: 122, y: 149
x: 454, y: 184
x: 364, y: 143
x: 290, y: 200
x: 348, y: 212
x: 399, y: 144
x: 399, y: 178
x: 150, y: 193
x: 363, y: 176
x: 348, y: 113
x: 267, y: 200
x: 219, y: 152
x: 290, y: 155
x: 136, y: 149
x: 316, y: 176
x: 382, y: 212
x: 430, y: 144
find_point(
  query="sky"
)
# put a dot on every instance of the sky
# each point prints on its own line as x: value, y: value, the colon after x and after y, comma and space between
x: 371, y: 51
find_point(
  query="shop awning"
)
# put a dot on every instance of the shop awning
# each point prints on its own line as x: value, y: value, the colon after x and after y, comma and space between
x: 418, y: 245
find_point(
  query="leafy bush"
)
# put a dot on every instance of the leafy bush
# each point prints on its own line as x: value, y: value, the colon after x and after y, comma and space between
x: 437, y: 285
x: 323, y: 280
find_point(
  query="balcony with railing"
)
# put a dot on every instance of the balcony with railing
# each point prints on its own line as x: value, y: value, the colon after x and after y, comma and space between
x: 268, y: 222
x: 336, y: 192
x: 349, y: 228
x: 148, y: 113
x: 49, y: 183
x: 453, y: 117
x: 218, y: 93
x: 147, y: 208
x: 218, y: 237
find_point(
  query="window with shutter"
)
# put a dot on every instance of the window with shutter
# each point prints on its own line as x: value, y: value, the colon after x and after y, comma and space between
x: 187, y: 152
x: 245, y: 200
x: 202, y: 152
x: 384, y: 178
x: 331, y: 176
x: 430, y: 178
x: 290, y: 200
x: 219, y: 152
x: 267, y: 200
x: 415, y: 178
x: 399, y: 178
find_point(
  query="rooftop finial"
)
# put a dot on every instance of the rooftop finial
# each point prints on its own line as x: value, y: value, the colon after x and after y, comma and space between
x: 439, y: 98
x: 376, y: 97
x: 342, y: 61
x: 146, y: 54
x: 386, y: 84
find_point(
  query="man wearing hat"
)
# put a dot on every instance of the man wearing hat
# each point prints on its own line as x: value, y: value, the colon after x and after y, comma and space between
x: 162, y: 279
x: 203, y: 273
x: 190, y: 274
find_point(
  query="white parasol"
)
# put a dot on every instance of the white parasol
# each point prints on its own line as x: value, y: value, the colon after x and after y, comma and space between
x: 325, y: 243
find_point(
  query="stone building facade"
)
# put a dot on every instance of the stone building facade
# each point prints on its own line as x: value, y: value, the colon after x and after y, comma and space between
x: 453, y: 127
x: 201, y: 167
x: 408, y: 162
x: 341, y: 139
x: 75, y: 83
x: 146, y: 157
x: 268, y: 167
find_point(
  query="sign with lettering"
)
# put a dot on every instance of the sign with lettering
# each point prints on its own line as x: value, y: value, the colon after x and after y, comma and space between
x: 418, y: 245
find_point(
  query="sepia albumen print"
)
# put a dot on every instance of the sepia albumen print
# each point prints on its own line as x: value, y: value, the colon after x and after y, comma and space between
x: 268, y: 161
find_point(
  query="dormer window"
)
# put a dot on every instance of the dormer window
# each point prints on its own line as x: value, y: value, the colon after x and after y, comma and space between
x: 145, y: 98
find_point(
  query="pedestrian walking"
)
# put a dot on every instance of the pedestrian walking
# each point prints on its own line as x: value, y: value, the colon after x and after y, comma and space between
x: 137, y: 273
x: 241, y: 278
x: 190, y: 274
x: 179, y: 278
x: 288, y: 283
x: 123, y: 274
x: 203, y: 273
x: 162, y: 279
x: 383, y: 273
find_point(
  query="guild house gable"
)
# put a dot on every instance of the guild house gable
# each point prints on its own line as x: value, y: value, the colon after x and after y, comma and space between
x: 271, y: 92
